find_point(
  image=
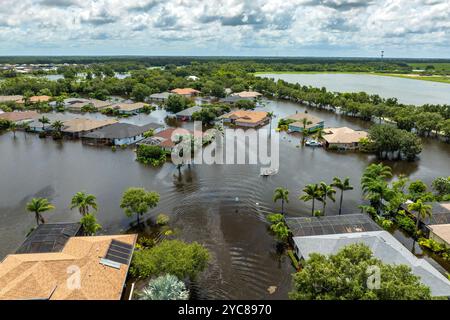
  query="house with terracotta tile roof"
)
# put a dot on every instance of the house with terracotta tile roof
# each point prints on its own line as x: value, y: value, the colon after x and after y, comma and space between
x: 187, y: 92
x: 246, y: 118
x: 87, y: 268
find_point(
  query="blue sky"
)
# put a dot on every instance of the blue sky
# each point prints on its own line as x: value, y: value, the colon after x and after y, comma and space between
x: 402, y: 28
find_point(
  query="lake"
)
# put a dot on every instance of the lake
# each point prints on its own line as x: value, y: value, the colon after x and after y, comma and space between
x: 408, y: 91
x: 201, y: 199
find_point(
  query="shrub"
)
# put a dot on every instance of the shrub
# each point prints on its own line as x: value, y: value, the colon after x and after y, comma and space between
x: 406, y: 223
x: 184, y: 260
x: 162, y: 219
x: 153, y: 155
x: 433, y: 245
x: 166, y: 287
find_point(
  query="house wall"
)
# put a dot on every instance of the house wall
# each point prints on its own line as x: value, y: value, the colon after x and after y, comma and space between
x: 436, y: 238
x: 343, y: 146
x: 128, y: 140
x: 293, y: 128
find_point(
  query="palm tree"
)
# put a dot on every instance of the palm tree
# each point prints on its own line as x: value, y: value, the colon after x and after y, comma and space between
x: 320, y: 133
x: 83, y: 202
x: 376, y: 171
x: 327, y: 192
x: 305, y: 132
x: 38, y: 206
x: 13, y: 128
x: 283, y: 195
x: 343, y: 186
x: 44, y: 120
x: 312, y: 192
x: 57, y: 125
x: 423, y: 211
x: 270, y: 115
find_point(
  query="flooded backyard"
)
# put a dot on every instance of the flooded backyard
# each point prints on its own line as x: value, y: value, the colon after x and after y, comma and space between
x: 407, y: 91
x: 220, y: 206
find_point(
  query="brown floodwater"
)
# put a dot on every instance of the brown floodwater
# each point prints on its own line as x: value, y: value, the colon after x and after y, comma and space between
x: 200, y: 199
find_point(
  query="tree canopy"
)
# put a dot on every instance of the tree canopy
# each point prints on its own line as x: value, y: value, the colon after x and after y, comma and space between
x: 345, y: 275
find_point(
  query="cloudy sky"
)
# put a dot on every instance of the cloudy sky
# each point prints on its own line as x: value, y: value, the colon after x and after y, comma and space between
x: 403, y: 28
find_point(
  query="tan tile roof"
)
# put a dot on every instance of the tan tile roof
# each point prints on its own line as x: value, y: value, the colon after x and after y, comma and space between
x: 10, y: 98
x: 82, y: 124
x: 99, y: 104
x: 36, y: 99
x: 442, y: 231
x: 343, y: 135
x: 247, y: 94
x: 298, y: 117
x: 128, y: 106
x: 46, y: 276
x: 246, y: 116
x: 185, y: 91
x: 19, y: 116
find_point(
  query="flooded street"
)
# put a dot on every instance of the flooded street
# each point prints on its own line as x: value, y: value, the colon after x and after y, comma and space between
x: 201, y: 200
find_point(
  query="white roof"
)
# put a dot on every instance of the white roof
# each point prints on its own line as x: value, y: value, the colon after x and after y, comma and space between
x: 384, y: 247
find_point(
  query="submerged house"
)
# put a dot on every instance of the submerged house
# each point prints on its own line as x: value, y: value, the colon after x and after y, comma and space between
x: 4, y: 99
x: 118, y: 134
x: 246, y: 118
x: 77, y: 127
x: 160, y: 97
x: 343, y: 138
x: 167, y: 139
x: 77, y: 104
x: 247, y: 95
x: 36, y: 99
x: 82, y: 268
x: 186, y: 92
x: 186, y: 114
x: 327, y: 235
x: 297, y: 122
x: 129, y: 108
x: 19, y: 117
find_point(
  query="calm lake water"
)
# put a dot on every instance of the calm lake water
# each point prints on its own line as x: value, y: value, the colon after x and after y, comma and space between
x: 408, y: 91
x: 201, y: 200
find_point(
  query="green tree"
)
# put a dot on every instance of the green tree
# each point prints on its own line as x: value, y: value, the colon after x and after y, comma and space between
x: 175, y: 103
x: 13, y: 128
x: 441, y: 185
x: 57, y: 126
x: 278, y: 226
x: 311, y: 193
x: 416, y: 189
x: 166, y: 287
x: 138, y: 201
x: 344, y: 276
x: 343, y: 185
x: 90, y: 224
x: 184, y: 260
x: 39, y: 206
x: 423, y: 211
x: 44, y: 120
x: 141, y: 92
x: 326, y: 192
x: 83, y: 202
x: 283, y: 195
x: 305, y: 130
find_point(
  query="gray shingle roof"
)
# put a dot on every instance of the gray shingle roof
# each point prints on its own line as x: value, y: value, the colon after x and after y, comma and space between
x: 384, y: 247
x: 120, y: 131
x: 348, y: 223
x: 189, y: 111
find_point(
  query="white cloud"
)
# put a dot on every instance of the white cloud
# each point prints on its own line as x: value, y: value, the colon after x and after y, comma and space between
x: 271, y: 27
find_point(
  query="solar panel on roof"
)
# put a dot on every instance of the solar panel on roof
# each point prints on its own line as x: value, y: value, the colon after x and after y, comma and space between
x: 119, y: 252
